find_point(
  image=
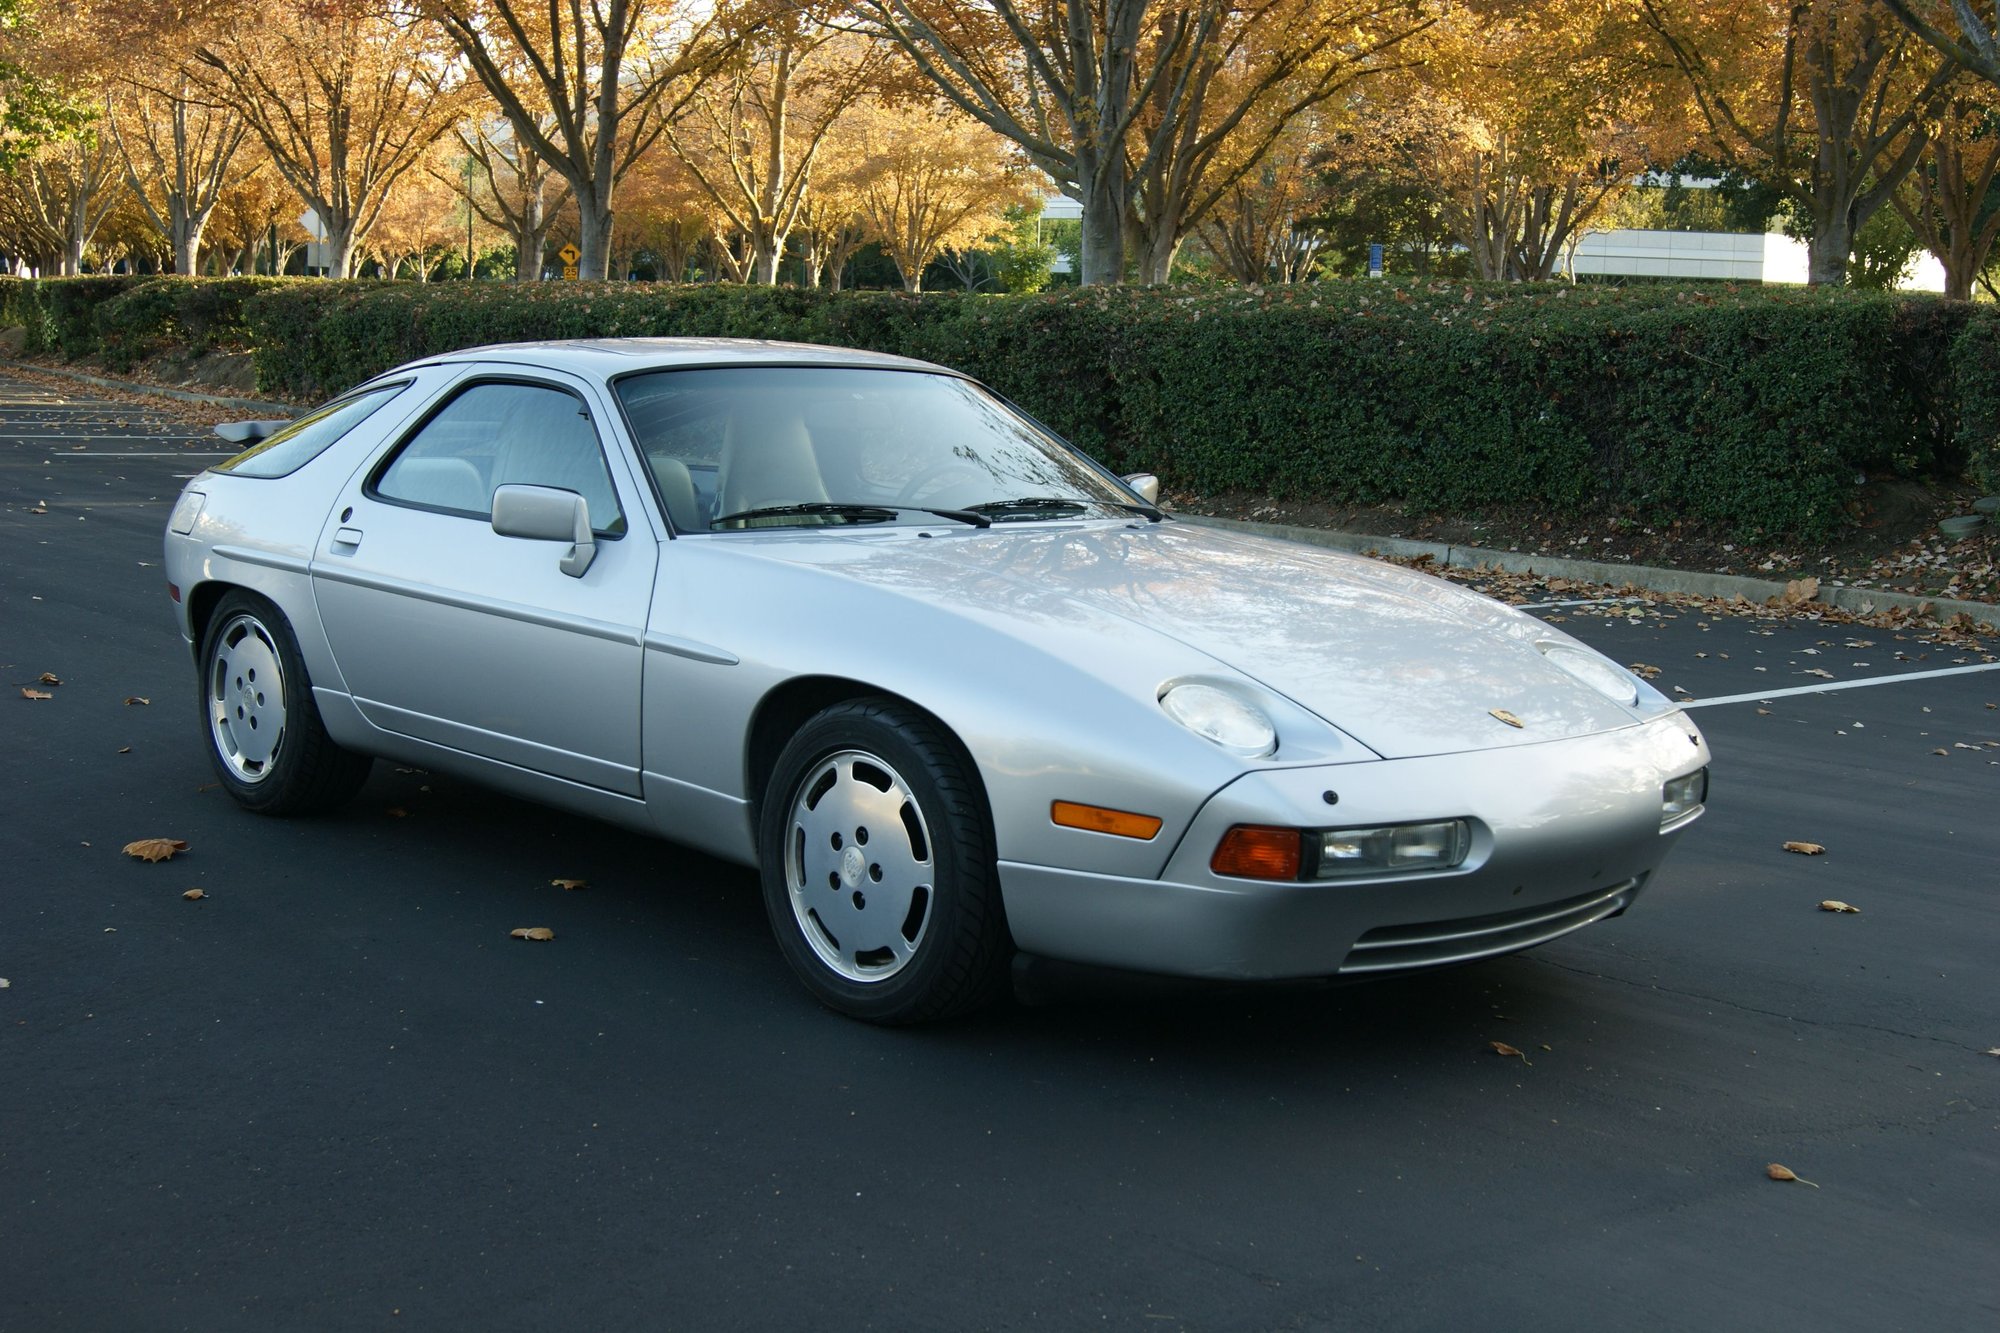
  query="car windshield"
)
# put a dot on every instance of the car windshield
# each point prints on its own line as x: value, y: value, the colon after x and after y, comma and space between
x: 818, y: 446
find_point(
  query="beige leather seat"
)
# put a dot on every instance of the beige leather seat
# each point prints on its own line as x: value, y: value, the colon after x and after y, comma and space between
x: 677, y: 493
x: 767, y: 459
x: 448, y: 483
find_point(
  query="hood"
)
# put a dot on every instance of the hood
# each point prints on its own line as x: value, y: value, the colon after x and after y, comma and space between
x: 1405, y: 663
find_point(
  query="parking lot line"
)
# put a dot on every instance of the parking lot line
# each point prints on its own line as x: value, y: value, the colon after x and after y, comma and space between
x: 1832, y: 686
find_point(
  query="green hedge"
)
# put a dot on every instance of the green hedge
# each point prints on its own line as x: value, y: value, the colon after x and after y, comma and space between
x: 1753, y: 409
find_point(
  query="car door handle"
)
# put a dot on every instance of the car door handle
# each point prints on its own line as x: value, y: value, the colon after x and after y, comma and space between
x: 348, y: 537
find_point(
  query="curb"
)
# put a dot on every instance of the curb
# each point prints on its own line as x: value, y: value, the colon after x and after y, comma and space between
x: 134, y: 386
x: 1651, y: 578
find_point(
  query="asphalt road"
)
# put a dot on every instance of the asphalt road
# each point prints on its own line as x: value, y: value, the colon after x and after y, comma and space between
x: 335, y: 1094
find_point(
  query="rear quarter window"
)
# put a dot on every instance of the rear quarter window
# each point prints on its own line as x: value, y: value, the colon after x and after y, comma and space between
x: 310, y: 436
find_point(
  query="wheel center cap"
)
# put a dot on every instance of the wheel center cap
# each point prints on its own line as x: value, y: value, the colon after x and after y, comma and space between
x: 852, y: 865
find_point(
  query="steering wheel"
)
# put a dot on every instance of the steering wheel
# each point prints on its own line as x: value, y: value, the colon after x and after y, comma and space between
x: 916, y: 486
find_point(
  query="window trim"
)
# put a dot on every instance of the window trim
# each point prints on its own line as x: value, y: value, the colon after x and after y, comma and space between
x: 370, y: 488
x: 395, y: 388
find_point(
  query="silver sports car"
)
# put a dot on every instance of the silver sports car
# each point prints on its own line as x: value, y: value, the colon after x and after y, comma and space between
x: 952, y: 687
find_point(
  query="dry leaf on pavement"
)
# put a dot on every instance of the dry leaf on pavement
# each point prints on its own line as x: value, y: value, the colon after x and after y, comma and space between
x: 1778, y: 1172
x: 1835, y: 905
x: 131, y: 699
x: 1502, y: 1048
x: 27, y: 693
x: 49, y: 678
x: 533, y: 933
x: 155, y: 849
x: 1804, y: 848
x: 570, y: 883
x: 195, y: 895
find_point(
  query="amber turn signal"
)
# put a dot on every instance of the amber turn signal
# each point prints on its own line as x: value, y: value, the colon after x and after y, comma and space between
x: 1251, y: 851
x: 1097, y: 819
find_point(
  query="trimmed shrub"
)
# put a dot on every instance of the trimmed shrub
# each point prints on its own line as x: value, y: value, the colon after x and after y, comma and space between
x: 1752, y: 409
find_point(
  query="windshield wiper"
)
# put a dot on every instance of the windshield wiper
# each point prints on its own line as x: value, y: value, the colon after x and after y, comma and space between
x: 860, y: 513
x: 1031, y: 505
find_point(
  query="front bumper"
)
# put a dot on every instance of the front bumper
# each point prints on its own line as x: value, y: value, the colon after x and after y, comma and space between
x: 1564, y: 834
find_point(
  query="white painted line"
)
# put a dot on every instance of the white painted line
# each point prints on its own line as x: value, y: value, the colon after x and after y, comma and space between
x: 1762, y: 695
x: 1588, y: 601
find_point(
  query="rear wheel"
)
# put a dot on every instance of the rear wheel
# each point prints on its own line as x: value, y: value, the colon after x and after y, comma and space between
x: 264, y: 731
x: 878, y: 867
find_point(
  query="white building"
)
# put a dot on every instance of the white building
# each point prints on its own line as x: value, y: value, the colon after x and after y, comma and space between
x: 1772, y: 257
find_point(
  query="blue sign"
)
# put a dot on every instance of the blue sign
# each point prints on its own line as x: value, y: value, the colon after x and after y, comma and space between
x: 1375, y: 260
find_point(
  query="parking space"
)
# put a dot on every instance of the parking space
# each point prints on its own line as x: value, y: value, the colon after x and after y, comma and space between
x: 335, y: 1093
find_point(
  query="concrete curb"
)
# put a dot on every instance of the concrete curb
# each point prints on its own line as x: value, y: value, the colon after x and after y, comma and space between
x: 1648, y: 577
x: 135, y: 386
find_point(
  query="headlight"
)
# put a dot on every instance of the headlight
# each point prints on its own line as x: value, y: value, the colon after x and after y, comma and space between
x: 1219, y: 716
x: 1600, y: 673
x: 186, y: 510
x: 1393, y: 848
x: 1255, y: 851
x: 1681, y: 798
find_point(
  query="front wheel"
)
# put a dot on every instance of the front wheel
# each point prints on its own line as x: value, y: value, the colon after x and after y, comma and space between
x: 877, y: 865
x: 264, y: 731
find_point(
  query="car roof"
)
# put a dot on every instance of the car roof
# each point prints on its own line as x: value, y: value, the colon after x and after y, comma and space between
x: 617, y: 356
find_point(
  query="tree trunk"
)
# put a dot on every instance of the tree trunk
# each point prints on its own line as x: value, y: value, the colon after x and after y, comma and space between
x: 1103, y: 223
x: 765, y: 270
x: 1827, y: 253
x: 593, y: 216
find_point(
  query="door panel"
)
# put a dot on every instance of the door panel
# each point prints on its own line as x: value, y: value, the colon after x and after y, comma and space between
x: 449, y: 632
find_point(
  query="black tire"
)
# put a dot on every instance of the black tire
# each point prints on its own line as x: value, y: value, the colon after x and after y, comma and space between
x: 273, y: 760
x: 827, y: 840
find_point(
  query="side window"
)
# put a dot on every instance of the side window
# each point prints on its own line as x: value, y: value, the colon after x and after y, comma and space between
x: 310, y: 436
x: 503, y: 435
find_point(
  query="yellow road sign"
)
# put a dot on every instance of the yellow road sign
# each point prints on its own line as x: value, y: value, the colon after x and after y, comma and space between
x: 570, y: 254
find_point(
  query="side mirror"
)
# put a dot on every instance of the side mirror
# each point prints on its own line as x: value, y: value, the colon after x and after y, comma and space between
x: 249, y: 432
x: 1146, y: 484
x: 546, y: 514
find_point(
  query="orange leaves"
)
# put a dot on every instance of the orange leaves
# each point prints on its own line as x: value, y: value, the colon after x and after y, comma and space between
x: 1777, y: 1171
x: 27, y: 693
x: 155, y: 849
x: 1805, y: 848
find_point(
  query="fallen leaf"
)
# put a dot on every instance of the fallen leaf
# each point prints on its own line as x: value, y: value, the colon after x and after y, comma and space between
x: 1835, y: 905
x: 533, y: 933
x: 570, y: 883
x: 1993, y: 1051
x: 27, y: 693
x: 39, y: 509
x: 1763, y: 712
x: 4, y: 984
x: 49, y: 678
x: 1821, y: 672
x: 397, y: 812
x: 1506, y: 717
x: 195, y: 895
x: 1804, y: 848
x: 155, y: 849
x: 1798, y: 591
x: 1945, y: 753
x: 1644, y: 670
x: 1777, y: 1172
x: 1502, y: 1048
x: 131, y: 699
x: 125, y: 750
